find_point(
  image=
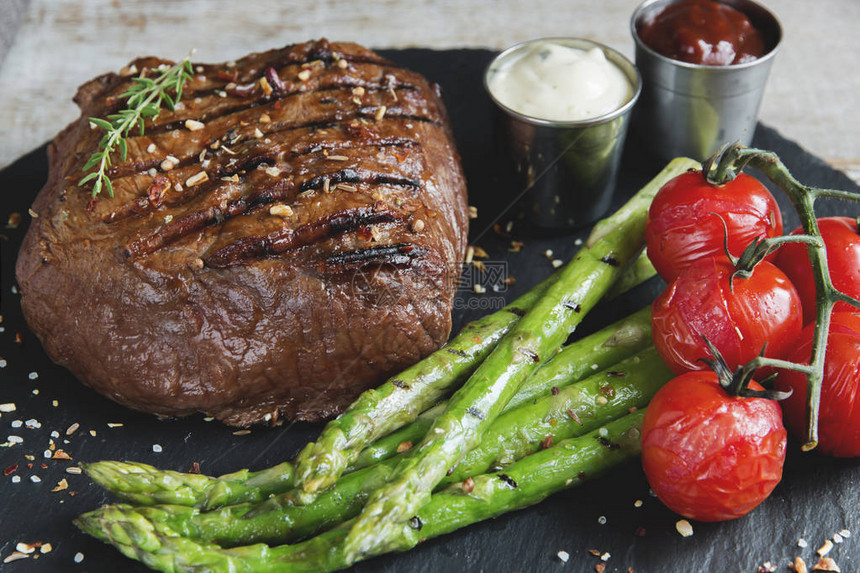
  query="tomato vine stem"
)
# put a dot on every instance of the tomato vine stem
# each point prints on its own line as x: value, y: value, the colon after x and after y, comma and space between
x: 724, y: 166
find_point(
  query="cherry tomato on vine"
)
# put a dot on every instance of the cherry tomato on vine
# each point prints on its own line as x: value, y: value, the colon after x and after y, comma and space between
x: 839, y: 410
x: 708, y: 455
x: 684, y: 226
x: 738, y: 318
x: 842, y: 240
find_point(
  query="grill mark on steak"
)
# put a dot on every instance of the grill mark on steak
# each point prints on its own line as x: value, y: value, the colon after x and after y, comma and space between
x: 216, y: 214
x: 161, y: 128
x: 143, y: 204
x: 132, y: 168
x: 398, y: 254
x: 288, y: 239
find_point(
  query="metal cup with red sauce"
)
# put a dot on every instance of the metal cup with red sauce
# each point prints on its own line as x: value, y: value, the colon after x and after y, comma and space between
x: 704, y: 66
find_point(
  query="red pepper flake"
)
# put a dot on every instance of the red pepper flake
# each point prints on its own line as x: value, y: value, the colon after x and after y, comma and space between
x: 595, y: 552
x: 43, y: 466
x: 555, y: 390
x: 195, y: 468
x: 468, y: 485
x: 826, y: 564
x: 157, y: 190
x: 230, y: 76
x: 607, y: 391
x: 18, y: 338
x: 61, y: 455
x: 275, y: 80
x: 401, y: 154
x: 516, y: 246
x: 573, y: 416
x: 404, y: 446
x: 600, y: 567
x: 477, y: 339
x: 10, y: 469
x: 547, y: 442
x: 500, y: 231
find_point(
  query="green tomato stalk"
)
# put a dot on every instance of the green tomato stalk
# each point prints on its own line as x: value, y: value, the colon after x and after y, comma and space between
x: 723, y: 167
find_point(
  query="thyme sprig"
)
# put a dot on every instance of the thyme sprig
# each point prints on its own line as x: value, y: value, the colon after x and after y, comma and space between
x: 723, y: 167
x: 144, y: 99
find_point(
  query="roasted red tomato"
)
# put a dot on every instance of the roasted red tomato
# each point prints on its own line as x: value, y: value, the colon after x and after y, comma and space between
x: 684, y: 226
x: 843, y: 260
x: 838, y: 421
x: 708, y: 455
x: 738, y: 319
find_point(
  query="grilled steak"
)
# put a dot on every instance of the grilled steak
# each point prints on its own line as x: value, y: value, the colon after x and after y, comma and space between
x: 289, y: 247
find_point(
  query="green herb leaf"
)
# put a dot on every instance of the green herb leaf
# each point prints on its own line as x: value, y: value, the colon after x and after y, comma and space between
x: 144, y: 98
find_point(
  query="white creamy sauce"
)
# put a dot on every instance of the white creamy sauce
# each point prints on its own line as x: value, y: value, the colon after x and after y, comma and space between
x: 548, y: 80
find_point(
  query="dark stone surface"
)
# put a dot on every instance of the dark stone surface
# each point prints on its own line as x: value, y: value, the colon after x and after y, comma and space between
x: 817, y: 497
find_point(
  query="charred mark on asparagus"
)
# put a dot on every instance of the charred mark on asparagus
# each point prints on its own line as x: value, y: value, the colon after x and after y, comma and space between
x: 607, y: 443
x: 475, y: 412
x: 458, y: 352
x: 610, y: 260
x: 508, y: 480
x: 531, y: 355
x: 572, y: 306
x: 517, y: 311
x: 400, y: 384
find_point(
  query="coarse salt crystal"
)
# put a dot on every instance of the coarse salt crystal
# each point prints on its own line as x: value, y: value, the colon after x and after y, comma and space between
x: 16, y: 479
x: 55, y: 434
x: 17, y: 423
x: 194, y: 125
x: 25, y: 548
x: 35, y: 479
x: 47, y: 454
x: 157, y: 448
x: 33, y: 423
x: 601, y: 520
x: 837, y: 538
x: 564, y: 556
x: 79, y: 557
x: 7, y: 407
x: 3, y: 363
x: 15, y: 439
x: 150, y: 148
x: 684, y: 528
x: 33, y: 375
x: 557, y: 263
x: 825, y: 548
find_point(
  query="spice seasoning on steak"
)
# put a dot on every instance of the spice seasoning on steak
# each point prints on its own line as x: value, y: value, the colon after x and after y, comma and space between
x: 249, y: 267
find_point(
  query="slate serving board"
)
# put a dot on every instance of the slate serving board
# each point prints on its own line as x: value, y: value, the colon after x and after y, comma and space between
x: 817, y: 497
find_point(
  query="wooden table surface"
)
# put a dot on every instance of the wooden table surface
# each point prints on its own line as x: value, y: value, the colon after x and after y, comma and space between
x: 812, y: 96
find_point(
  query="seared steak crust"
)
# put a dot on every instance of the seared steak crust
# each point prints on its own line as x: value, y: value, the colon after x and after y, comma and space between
x: 276, y: 261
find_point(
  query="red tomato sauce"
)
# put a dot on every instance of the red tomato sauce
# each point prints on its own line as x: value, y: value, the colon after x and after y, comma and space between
x: 703, y: 32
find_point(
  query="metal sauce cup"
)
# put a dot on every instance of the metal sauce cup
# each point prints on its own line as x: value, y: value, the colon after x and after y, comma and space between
x: 566, y: 170
x: 692, y: 109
